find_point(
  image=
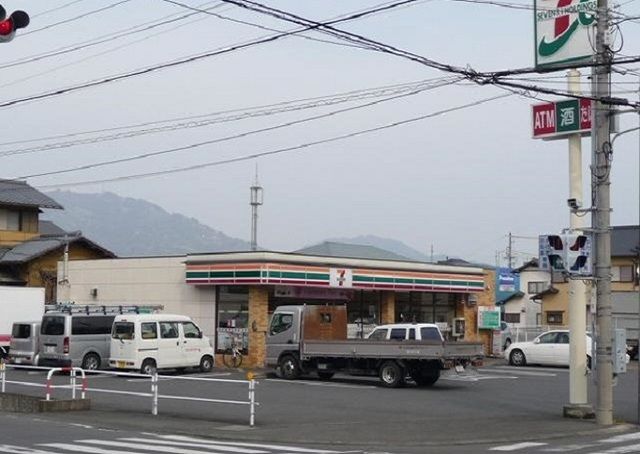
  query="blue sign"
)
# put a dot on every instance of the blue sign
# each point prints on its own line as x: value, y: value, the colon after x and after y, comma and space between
x: 507, y: 284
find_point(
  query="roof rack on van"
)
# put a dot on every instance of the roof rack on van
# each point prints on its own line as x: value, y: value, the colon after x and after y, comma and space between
x: 88, y: 309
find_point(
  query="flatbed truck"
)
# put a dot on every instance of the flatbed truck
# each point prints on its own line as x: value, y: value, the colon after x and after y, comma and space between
x: 304, y: 339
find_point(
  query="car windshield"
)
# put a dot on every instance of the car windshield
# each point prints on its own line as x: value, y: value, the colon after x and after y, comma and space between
x: 122, y: 330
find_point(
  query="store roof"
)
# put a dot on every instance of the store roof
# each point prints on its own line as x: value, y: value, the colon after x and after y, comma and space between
x: 346, y: 250
x: 19, y: 193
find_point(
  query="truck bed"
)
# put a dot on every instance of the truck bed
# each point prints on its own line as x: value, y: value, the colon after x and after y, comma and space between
x: 357, y: 348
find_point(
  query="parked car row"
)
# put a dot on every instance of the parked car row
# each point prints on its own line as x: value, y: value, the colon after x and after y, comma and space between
x: 144, y: 342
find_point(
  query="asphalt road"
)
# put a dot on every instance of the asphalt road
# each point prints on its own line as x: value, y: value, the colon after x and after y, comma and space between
x: 501, y: 406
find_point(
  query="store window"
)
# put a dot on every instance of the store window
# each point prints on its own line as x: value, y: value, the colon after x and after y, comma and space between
x: 233, y: 317
x: 420, y: 307
x: 363, y: 313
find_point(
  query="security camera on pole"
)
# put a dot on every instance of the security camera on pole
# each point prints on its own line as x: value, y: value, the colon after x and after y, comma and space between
x: 562, y: 37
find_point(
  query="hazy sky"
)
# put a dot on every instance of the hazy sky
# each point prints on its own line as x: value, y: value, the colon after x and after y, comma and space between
x: 459, y: 181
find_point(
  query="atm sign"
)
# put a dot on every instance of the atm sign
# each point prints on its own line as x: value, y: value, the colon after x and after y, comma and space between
x: 554, y: 120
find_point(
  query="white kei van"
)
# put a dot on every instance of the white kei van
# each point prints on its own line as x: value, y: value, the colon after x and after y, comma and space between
x: 148, y: 342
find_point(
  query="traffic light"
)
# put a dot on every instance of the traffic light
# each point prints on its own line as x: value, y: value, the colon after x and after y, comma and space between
x: 578, y: 254
x: 8, y: 26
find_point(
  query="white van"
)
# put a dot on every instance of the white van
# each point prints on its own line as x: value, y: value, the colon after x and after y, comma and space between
x: 407, y: 331
x: 148, y: 342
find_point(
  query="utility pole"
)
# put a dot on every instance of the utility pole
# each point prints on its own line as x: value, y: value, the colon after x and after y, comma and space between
x: 577, y: 289
x: 510, y: 252
x: 601, y: 219
x: 256, y: 200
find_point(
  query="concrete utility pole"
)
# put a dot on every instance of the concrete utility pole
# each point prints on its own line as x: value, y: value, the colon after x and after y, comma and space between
x: 510, y: 252
x: 577, y: 288
x: 601, y: 219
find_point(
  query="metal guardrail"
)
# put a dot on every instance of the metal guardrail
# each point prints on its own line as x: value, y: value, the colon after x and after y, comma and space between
x: 154, y: 393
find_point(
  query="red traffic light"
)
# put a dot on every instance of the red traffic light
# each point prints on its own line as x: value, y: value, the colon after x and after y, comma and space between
x: 8, y: 27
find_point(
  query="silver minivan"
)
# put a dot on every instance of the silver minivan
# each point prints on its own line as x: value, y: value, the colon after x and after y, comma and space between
x: 24, y: 343
x: 75, y: 339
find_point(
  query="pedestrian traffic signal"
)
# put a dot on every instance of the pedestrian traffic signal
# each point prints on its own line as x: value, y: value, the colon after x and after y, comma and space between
x: 578, y: 255
x: 569, y: 253
x: 9, y: 25
x: 555, y: 253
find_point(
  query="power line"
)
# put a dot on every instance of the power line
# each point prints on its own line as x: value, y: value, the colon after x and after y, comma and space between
x: 73, y: 19
x: 281, y: 150
x: 194, y: 58
x: 58, y: 8
x: 236, y: 136
x: 224, y: 116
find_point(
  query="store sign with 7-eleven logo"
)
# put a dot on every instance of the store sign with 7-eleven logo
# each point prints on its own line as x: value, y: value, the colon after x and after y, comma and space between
x: 564, y: 31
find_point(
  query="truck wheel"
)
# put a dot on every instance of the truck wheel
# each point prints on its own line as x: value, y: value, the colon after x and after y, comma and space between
x: 391, y: 375
x: 206, y: 363
x: 325, y: 375
x: 427, y: 377
x: 148, y: 367
x: 289, y: 367
x: 91, y: 361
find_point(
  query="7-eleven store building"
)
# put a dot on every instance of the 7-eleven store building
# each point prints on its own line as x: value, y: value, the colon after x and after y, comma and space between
x: 231, y: 295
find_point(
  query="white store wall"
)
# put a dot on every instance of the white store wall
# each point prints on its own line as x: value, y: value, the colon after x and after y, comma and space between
x: 131, y: 281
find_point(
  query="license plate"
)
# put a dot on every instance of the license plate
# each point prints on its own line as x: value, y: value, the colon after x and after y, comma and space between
x: 120, y: 364
x: 50, y: 348
x: 459, y: 368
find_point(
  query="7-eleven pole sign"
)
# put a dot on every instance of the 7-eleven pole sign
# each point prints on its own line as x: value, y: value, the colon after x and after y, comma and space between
x: 562, y: 31
x: 556, y: 120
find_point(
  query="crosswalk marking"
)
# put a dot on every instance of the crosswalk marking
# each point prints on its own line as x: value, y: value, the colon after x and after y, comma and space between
x: 145, y: 447
x: 520, y: 372
x: 198, y: 444
x: 473, y: 378
x: 622, y: 438
x: 621, y: 450
x: 254, y: 445
x: 88, y: 449
x: 516, y: 446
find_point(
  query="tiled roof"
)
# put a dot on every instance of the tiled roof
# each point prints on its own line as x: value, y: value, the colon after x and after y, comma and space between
x: 19, y: 193
x: 625, y: 241
x: 357, y: 251
x: 48, y: 228
x: 32, y: 249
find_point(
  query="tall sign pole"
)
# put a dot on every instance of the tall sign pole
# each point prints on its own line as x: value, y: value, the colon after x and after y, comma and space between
x: 601, y: 220
x: 577, y: 288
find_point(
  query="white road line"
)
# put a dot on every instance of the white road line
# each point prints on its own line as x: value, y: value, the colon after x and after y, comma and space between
x: 622, y: 438
x: 252, y: 445
x: 477, y: 378
x: 313, y: 383
x: 84, y: 449
x: 199, y: 444
x: 22, y: 450
x: 568, y: 448
x: 521, y: 372
x: 515, y: 447
x: 142, y: 447
x: 620, y: 450
x: 558, y: 370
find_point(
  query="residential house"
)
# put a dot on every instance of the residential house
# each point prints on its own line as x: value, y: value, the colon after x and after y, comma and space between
x: 29, y: 247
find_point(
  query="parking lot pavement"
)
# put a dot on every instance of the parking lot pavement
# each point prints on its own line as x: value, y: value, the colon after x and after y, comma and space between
x: 499, y: 405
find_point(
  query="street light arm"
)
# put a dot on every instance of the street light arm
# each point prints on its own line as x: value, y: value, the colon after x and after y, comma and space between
x: 623, y: 132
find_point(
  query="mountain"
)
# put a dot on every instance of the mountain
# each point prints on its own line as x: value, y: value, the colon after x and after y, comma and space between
x: 388, y: 244
x: 133, y: 227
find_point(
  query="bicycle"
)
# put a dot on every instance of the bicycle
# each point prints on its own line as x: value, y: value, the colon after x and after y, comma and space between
x: 232, y: 356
